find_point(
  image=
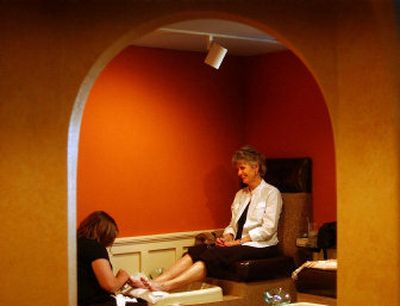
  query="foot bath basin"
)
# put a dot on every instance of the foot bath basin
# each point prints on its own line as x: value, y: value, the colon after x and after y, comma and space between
x: 192, y: 294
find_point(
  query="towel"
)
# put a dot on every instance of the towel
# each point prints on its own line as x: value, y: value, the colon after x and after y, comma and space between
x: 121, y: 299
x: 147, y: 295
x: 330, y: 264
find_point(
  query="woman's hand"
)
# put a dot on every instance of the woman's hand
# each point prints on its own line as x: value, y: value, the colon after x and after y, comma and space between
x: 232, y: 243
x: 227, y: 241
x: 221, y: 241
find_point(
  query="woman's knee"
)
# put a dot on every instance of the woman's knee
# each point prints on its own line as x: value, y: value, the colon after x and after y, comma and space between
x: 188, y: 257
x: 201, y: 266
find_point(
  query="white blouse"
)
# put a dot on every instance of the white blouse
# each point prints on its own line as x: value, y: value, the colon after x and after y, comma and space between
x: 262, y: 216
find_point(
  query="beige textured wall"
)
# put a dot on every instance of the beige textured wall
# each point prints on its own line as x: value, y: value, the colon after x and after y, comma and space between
x: 48, y: 50
x: 367, y: 130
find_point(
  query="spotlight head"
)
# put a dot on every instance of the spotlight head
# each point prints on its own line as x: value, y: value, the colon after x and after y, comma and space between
x: 215, y: 56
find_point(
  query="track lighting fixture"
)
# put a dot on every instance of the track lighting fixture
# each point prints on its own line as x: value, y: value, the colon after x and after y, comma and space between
x: 216, y: 53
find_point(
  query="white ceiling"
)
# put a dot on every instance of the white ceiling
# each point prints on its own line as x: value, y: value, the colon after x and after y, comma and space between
x: 193, y: 35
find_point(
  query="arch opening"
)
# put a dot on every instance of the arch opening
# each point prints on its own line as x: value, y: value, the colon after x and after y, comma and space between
x: 75, y: 132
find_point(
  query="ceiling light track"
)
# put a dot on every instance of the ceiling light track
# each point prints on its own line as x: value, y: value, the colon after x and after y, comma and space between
x: 218, y: 35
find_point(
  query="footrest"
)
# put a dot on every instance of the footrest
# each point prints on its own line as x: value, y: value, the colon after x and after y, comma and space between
x: 262, y: 269
x: 317, y: 282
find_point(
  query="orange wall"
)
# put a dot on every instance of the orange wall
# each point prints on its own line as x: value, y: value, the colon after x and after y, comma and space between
x: 159, y: 129
x: 156, y: 141
x: 287, y: 117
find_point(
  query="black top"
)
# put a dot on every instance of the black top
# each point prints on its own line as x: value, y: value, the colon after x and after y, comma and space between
x: 241, y: 222
x: 89, y: 290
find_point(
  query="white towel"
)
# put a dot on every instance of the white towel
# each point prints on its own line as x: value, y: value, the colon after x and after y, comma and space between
x: 121, y: 299
x: 330, y: 264
x: 147, y: 295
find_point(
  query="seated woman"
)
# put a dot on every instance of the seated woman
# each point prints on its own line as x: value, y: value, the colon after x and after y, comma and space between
x: 96, y: 280
x: 251, y: 234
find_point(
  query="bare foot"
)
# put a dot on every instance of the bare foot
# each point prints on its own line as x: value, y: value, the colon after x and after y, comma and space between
x: 136, y: 282
x: 152, y: 285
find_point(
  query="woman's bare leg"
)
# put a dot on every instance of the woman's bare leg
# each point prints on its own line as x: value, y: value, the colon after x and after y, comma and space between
x: 177, y: 268
x: 196, y: 272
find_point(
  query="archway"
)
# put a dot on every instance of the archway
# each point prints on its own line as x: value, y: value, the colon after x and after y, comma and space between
x: 74, y: 132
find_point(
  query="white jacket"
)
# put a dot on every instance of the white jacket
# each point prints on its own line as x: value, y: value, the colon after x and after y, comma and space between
x: 262, y: 216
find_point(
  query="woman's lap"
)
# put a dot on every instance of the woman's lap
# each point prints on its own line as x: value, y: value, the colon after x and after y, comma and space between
x: 219, y: 259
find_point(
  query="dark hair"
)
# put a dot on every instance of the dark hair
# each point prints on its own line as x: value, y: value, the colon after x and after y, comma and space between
x: 252, y: 156
x: 99, y: 226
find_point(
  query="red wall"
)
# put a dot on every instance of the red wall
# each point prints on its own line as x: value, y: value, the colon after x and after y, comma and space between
x: 160, y: 126
x: 287, y: 117
x: 156, y: 141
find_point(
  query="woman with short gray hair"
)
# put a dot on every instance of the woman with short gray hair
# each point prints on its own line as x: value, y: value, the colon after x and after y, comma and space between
x: 251, y: 233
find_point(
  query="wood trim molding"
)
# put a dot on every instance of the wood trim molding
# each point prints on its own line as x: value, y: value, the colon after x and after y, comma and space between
x: 158, y: 238
x: 144, y: 254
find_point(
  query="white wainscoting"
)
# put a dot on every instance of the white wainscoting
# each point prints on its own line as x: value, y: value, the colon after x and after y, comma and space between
x: 147, y: 253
